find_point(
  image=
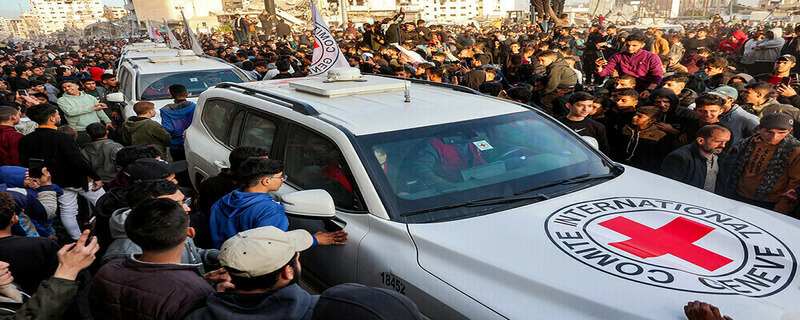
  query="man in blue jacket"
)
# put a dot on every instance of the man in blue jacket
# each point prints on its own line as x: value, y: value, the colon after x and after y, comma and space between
x: 176, y: 118
x: 253, y: 207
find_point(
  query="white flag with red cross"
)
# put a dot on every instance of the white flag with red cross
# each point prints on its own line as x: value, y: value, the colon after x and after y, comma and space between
x: 327, y: 54
x: 154, y: 34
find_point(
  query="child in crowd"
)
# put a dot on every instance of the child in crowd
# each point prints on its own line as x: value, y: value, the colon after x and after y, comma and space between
x: 642, y: 145
x: 101, y: 151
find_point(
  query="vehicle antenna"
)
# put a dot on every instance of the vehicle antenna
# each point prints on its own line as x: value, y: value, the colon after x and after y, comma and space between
x: 407, y: 93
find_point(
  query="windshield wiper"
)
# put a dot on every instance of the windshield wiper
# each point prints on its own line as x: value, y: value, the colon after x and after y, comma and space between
x: 573, y: 180
x: 476, y: 203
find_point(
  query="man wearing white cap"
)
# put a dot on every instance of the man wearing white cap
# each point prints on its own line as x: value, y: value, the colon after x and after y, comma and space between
x: 264, y: 267
x: 741, y: 123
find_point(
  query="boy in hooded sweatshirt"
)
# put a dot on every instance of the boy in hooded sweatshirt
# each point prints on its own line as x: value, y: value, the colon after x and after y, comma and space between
x: 767, y: 50
x: 176, y: 118
x: 252, y: 207
x: 143, y: 131
x: 560, y: 77
x: 641, y: 144
x: 101, y: 152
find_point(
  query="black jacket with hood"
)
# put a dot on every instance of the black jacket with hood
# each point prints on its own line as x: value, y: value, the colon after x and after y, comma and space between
x: 677, y: 116
x: 291, y: 302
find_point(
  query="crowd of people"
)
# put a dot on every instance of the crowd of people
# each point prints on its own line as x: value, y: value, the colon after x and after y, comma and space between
x: 713, y: 105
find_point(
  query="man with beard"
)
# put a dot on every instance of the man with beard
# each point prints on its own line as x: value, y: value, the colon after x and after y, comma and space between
x: 264, y: 268
x: 699, y: 164
x: 63, y: 159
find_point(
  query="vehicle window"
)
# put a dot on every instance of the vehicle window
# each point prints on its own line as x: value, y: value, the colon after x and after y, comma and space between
x: 125, y: 83
x: 217, y: 116
x: 313, y: 162
x: 501, y: 157
x: 156, y: 86
x: 236, y: 127
x: 260, y: 132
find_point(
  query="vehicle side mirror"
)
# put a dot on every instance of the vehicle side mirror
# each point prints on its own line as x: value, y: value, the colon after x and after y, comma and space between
x: 316, y: 203
x: 592, y: 141
x: 115, y: 97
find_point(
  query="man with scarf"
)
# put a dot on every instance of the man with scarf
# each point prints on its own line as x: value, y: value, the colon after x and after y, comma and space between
x: 768, y: 164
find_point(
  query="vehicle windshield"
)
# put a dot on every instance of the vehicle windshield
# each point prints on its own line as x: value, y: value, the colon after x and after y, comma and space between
x: 156, y: 86
x: 470, y: 168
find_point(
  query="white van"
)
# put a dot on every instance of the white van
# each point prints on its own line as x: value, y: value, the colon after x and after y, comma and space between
x: 480, y: 208
x: 146, y: 73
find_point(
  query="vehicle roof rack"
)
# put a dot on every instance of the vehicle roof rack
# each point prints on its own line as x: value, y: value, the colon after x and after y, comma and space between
x: 299, y: 106
x: 454, y: 87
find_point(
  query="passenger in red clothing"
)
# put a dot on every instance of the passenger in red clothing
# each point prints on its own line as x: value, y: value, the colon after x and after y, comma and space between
x: 443, y: 158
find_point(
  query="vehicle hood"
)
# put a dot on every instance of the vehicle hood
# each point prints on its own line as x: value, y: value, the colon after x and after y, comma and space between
x: 636, y: 247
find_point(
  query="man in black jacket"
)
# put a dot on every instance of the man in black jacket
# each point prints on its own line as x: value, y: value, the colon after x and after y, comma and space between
x: 700, y: 163
x: 63, y: 159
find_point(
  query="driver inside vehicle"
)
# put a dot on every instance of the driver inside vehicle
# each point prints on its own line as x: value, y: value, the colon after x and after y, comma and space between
x: 443, y: 157
x: 211, y: 80
x: 158, y: 88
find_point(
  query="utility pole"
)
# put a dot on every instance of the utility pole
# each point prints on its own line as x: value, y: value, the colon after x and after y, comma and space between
x: 269, y: 5
x: 343, y: 5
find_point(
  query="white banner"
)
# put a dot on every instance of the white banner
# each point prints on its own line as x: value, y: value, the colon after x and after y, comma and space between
x: 195, y: 45
x: 173, y: 42
x: 327, y: 54
x: 154, y: 34
x: 410, y: 56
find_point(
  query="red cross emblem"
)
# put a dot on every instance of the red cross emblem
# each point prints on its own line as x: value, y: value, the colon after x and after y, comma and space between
x: 676, y: 238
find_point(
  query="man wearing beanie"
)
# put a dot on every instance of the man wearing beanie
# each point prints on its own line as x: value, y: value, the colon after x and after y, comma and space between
x: 768, y: 164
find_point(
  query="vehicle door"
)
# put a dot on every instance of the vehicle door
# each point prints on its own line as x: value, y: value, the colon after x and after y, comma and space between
x: 227, y: 125
x: 312, y: 161
x: 126, y: 84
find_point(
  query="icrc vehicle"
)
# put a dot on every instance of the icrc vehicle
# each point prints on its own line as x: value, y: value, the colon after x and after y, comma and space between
x: 481, y: 208
x: 145, y: 73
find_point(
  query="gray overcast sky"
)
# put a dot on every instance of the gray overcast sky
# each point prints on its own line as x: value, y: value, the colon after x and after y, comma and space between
x: 9, y: 9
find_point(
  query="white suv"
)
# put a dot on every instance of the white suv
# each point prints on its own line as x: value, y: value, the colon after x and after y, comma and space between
x: 147, y: 76
x: 477, y: 207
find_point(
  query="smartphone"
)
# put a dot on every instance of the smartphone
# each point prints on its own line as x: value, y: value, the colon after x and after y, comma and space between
x: 22, y: 92
x: 601, y: 55
x: 785, y: 81
x: 35, y: 168
x: 92, y: 223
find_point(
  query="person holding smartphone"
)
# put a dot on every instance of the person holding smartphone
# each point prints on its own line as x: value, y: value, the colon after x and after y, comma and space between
x: 783, y: 80
x: 642, y: 64
x: 63, y: 159
x: 782, y: 72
